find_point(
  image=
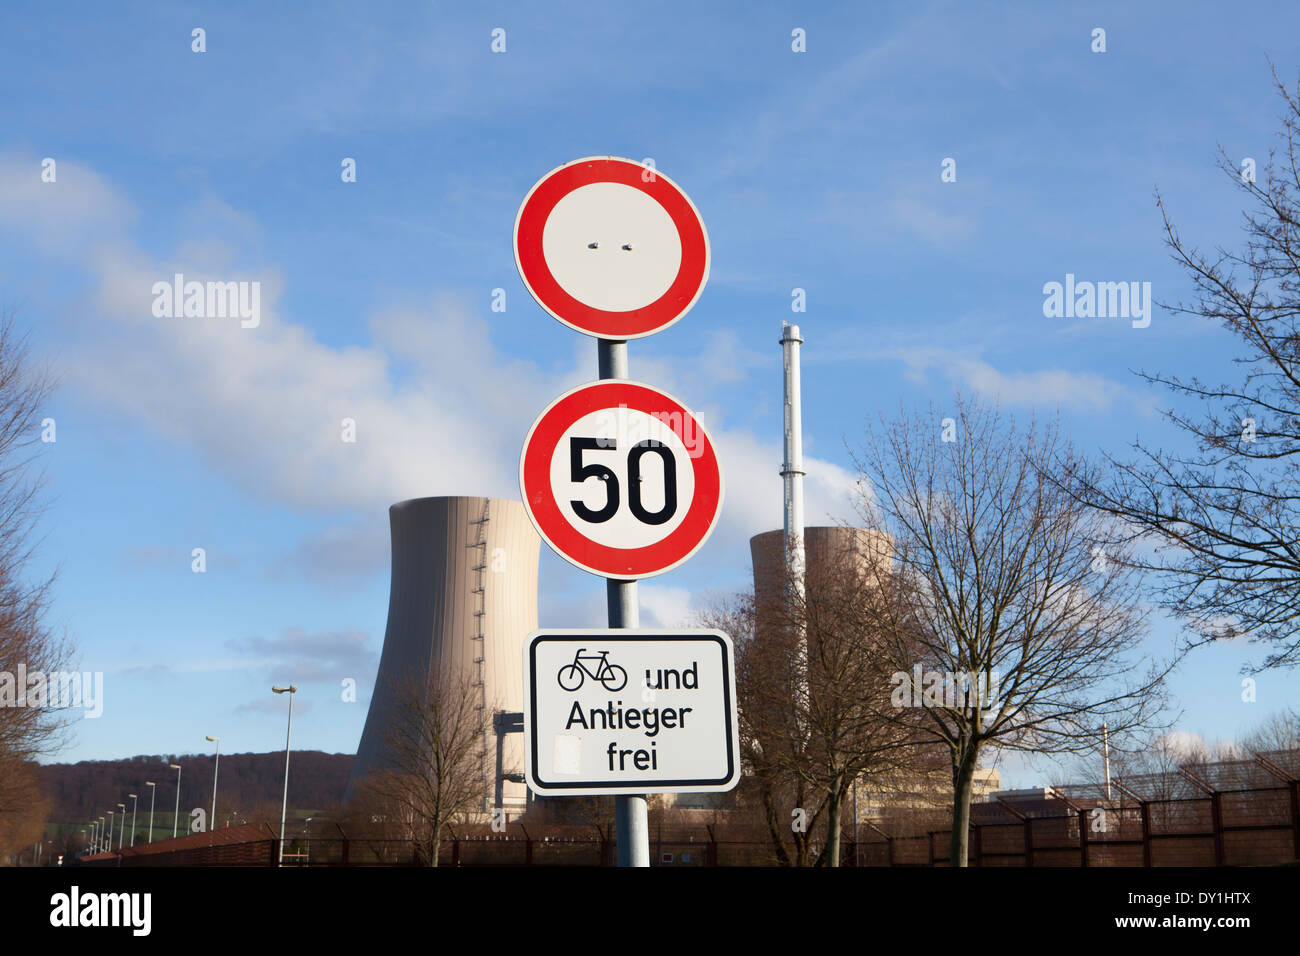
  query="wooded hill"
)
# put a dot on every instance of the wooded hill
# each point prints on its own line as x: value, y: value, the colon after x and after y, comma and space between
x: 249, y: 785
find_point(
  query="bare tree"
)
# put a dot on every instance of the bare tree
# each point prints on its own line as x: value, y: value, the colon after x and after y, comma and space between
x: 781, y: 799
x: 23, y: 820
x: 1007, y: 625
x: 433, y: 750
x: 1225, y: 513
x: 1278, y: 731
x: 812, y: 694
x: 28, y: 729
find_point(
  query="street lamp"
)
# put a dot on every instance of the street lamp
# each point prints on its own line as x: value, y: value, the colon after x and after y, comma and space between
x: 284, y: 805
x: 110, y: 830
x: 121, y: 831
x: 177, y: 815
x: 133, y: 802
x: 153, y: 795
x: 99, y: 844
x: 212, y: 820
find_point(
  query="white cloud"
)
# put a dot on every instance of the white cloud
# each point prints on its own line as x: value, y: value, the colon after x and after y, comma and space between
x: 63, y: 218
x: 753, y: 503
x: 438, y: 408
x: 1183, y: 744
x: 1041, y: 388
x: 664, y: 606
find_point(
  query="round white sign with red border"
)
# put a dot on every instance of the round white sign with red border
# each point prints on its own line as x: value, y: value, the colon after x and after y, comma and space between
x: 611, y: 247
x: 621, y: 479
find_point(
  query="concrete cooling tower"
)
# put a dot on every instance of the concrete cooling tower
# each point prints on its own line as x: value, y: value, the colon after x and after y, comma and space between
x: 821, y: 546
x: 463, y: 597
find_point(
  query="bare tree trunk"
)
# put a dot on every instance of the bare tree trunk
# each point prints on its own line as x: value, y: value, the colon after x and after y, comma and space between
x: 834, y: 824
x: 774, y: 824
x: 802, y: 838
x: 963, y: 776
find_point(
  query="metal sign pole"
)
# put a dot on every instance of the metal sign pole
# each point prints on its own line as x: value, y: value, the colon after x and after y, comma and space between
x: 630, y: 821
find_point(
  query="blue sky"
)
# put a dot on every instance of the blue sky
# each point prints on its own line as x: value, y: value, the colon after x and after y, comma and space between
x: 817, y: 170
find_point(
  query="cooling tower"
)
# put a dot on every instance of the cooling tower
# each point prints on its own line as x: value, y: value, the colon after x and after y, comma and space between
x: 822, y: 545
x: 463, y: 596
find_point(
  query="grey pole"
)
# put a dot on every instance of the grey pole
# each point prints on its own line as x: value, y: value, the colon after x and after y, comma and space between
x: 153, y: 796
x: 177, y: 815
x: 134, y: 801
x: 630, y: 820
x: 288, y: 735
x: 212, y: 821
x: 632, y: 831
x: 792, y: 476
x: 121, y: 831
x: 611, y: 358
x: 1105, y: 757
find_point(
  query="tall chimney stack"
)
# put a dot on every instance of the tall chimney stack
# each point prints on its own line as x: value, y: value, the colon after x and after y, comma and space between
x: 792, y: 475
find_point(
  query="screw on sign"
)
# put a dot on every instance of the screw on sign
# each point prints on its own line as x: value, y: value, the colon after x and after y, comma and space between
x: 611, y: 247
x: 621, y: 479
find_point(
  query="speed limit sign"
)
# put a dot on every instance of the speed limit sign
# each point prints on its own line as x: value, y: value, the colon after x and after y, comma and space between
x: 621, y: 479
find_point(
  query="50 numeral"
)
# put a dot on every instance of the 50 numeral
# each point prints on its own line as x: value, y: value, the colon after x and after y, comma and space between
x: 580, y: 472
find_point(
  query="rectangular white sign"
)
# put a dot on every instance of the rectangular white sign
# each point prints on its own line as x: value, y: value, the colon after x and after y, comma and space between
x: 626, y: 711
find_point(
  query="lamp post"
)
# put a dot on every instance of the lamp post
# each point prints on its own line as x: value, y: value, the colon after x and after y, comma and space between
x: 110, y: 830
x: 212, y: 819
x: 284, y: 805
x: 94, y: 836
x: 177, y: 815
x: 99, y: 843
x: 153, y: 795
x: 133, y: 803
x: 121, y: 831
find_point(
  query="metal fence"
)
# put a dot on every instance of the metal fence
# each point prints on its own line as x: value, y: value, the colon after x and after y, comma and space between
x: 1228, y: 813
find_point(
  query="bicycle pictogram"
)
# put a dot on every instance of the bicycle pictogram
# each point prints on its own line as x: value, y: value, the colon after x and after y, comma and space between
x: 572, y: 676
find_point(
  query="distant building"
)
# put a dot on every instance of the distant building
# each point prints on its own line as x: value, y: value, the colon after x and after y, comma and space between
x: 920, y: 793
x: 1032, y: 795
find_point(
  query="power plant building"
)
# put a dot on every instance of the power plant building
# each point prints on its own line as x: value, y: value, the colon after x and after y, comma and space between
x: 462, y: 599
x: 824, y: 547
